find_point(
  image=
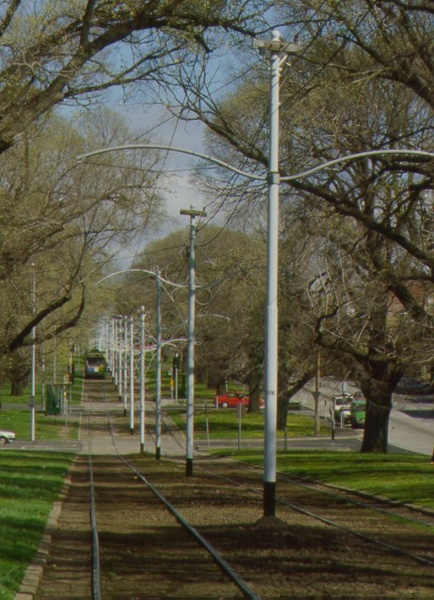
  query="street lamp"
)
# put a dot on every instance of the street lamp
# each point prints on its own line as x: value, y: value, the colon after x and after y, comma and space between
x: 279, y: 51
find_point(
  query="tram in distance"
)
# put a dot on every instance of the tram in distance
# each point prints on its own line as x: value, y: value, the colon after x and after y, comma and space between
x: 95, y: 366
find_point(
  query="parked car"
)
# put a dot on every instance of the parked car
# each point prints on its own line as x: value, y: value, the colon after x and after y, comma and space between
x: 231, y: 400
x: 6, y: 437
x: 342, y: 408
x: 358, y: 413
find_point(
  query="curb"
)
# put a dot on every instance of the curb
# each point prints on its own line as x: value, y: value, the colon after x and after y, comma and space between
x: 33, y: 575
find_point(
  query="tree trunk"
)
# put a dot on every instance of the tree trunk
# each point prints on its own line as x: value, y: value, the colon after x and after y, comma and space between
x: 375, y: 436
x: 254, y: 390
x: 18, y: 371
x: 378, y: 393
x: 286, y: 393
x: 17, y: 387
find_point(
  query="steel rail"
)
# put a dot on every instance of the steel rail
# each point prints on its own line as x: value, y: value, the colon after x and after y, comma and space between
x: 338, y: 492
x: 96, y: 559
x: 343, y: 493
x: 296, y: 508
x: 218, y: 559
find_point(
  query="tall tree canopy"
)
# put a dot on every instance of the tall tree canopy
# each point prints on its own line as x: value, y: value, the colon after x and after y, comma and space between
x: 363, y: 82
x: 60, y: 223
x: 52, y: 52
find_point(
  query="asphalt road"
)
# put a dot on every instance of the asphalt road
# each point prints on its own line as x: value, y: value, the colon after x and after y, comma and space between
x: 411, y: 424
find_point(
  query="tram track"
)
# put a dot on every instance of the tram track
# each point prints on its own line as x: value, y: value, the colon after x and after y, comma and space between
x: 339, y: 498
x: 301, y: 554
x: 120, y: 570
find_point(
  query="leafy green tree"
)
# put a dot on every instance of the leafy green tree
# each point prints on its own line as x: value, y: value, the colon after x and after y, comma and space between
x: 230, y: 279
x: 386, y: 203
x: 60, y: 224
x: 393, y: 38
x: 65, y: 51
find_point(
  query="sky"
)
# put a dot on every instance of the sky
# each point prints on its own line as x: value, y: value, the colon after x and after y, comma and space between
x: 171, y: 132
x: 177, y: 189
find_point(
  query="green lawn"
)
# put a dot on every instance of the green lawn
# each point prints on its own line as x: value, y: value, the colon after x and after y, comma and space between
x: 223, y: 424
x: 30, y: 482
x: 401, y: 477
x: 46, y: 427
x: 15, y: 415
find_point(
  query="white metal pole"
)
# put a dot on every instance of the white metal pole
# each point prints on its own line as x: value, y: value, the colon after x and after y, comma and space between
x: 125, y: 363
x: 113, y: 351
x: 131, y: 375
x: 176, y: 377
x: 33, y: 368
x: 190, y: 356
x: 119, y: 347
x: 142, y: 380
x: 278, y: 51
x: 271, y: 335
x: 158, y: 374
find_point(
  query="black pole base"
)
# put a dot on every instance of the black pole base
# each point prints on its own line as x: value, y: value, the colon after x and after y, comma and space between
x: 131, y: 430
x: 189, y: 467
x: 157, y: 453
x: 269, y: 498
x: 142, y: 448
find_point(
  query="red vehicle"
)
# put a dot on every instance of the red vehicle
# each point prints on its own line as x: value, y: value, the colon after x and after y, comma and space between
x: 231, y: 400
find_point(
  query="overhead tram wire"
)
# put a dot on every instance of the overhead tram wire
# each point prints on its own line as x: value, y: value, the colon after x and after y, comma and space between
x: 226, y: 191
x: 229, y: 185
x: 162, y: 170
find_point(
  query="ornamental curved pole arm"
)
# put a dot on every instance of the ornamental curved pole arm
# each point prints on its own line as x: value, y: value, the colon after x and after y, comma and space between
x: 221, y: 163
x: 153, y: 273
x: 218, y: 162
x: 357, y: 156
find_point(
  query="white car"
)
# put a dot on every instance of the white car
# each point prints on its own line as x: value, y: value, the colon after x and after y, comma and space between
x: 6, y: 437
x: 342, y: 408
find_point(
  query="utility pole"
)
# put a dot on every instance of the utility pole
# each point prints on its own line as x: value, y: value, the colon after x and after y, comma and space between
x: 33, y: 379
x: 142, y: 380
x: 131, y: 375
x: 190, y: 356
x: 158, y: 373
x: 277, y: 50
x: 125, y: 363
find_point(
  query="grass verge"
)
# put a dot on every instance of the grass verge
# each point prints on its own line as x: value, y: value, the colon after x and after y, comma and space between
x: 400, y: 477
x: 30, y: 482
x: 46, y: 427
x: 223, y: 424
